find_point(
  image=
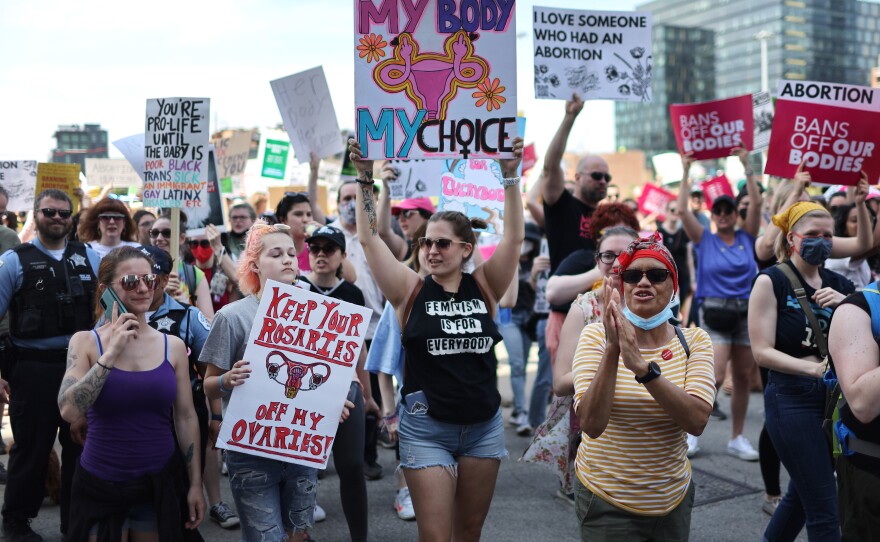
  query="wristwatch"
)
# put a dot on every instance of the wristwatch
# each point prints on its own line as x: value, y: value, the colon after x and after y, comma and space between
x: 653, y: 372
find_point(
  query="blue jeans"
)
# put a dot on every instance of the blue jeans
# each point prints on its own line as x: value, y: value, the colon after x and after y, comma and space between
x: 518, y: 344
x: 794, y: 407
x: 271, y: 496
x: 543, y: 385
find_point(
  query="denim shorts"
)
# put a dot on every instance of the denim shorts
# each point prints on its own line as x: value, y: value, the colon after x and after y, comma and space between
x: 739, y: 336
x: 426, y: 442
x: 271, y: 496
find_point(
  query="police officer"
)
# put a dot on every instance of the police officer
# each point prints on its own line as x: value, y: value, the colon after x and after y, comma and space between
x: 48, y: 286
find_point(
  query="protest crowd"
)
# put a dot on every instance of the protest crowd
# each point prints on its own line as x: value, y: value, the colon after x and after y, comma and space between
x: 175, y: 357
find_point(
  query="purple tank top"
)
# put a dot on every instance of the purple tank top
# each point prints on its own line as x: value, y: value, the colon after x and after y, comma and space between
x: 130, y: 424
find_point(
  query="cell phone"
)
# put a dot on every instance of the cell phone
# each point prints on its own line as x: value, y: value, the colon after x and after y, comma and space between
x: 107, y: 299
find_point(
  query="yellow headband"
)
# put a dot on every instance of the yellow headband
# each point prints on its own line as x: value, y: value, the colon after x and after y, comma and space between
x: 786, y: 219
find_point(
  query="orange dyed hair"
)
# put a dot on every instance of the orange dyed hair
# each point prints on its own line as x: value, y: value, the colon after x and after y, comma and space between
x: 248, y: 279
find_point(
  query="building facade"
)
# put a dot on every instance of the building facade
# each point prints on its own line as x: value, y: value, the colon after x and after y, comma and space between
x: 74, y: 144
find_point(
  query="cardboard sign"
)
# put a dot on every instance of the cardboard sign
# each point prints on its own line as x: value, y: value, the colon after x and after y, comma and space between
x: 309, y: 117
x: 231, y: 156
x: 415, y: 179
x: 600, y: 55
x: 654, y: 200
x: 303, y: 349
x: 64, y: 177
x: 176, y: 152
x: 714, y: 188
x: 830, y: 128
x: 111, y: 172
x: 713, y: 129
x: 19, y: 178
x: 473, y: 187
x: 211, y: 213
x: 275, y: 159
x: 762, y: 115
x: 132, y: 148
x: 435, y: 78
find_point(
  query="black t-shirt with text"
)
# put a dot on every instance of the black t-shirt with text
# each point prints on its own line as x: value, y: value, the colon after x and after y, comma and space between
x: 567, y: 225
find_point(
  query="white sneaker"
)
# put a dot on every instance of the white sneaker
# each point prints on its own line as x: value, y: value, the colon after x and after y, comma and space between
x: 519, y: 419
x: 693, y: 445
x: 741, y: 448
x: 319, y: 514
x: 524, y: 430
x: 403, y: 504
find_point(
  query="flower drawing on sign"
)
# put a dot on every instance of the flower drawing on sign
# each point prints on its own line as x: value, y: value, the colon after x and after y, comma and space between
x: 582, y: 79
x: 372, y: 47
x: 611, y: 73
x: 489, y: 93
x: 544, y: 82
x: 431, y: 80
x: 638, y: 79
x: 296, y: 374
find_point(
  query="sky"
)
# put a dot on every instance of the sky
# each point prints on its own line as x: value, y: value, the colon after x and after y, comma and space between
x: 96, y: 61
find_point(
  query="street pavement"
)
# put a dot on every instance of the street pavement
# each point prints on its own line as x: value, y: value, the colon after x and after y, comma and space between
x: 729, y: 493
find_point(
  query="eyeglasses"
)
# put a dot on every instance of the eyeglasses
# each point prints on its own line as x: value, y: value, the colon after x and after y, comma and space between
x: 204, y: 243
x: 598, y: 176
x: 328, y: 249
x: 242, y: 217
x: 166, y: 233
x: 607, y: 257
x: 50, y: 213
x: 130, y: 282
x: 442, y: 244
x: 634, y: 276
x: 111, y: 217
x: 673, y: 211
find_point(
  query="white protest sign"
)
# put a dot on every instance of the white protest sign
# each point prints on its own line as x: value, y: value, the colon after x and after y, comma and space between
x: 303, y: 349
x: 111, y: 171
x: 176, y: 152
x: 211, y: 213
x: 19, y: 178
x: 415, y: 179
x: 309, y: 117
x: 762, y: 110
x: 473, y: 187
x: 132, y: 148
x: 600, y: 55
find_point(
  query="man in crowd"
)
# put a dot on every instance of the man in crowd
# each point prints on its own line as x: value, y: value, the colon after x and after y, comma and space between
x: 48, y: 286
x: 241, y: 218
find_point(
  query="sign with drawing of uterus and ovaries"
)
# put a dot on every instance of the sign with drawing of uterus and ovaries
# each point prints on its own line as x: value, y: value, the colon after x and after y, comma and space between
x: 435, y: 78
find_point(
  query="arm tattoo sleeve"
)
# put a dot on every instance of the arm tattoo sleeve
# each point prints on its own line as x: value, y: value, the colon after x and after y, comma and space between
x: 83, y: 394
x: 370, y: 206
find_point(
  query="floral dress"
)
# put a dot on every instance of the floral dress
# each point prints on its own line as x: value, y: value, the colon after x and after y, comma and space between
x: 555, y: 442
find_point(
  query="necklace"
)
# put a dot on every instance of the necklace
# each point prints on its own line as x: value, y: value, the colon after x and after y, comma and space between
x: 451, y: 296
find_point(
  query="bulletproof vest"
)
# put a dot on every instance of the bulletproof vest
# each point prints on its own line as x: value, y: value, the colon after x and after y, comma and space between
x: 56, y: 297
x: 178, y: 316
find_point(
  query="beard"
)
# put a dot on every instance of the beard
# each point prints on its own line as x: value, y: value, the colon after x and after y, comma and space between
x: 53, y: 231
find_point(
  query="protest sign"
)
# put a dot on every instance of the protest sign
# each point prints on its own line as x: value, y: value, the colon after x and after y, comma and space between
x: 715, y: 188
x: 231, y: 156
x: 211, y: 213
x: 309, y: 117
x: 64, y: 177
x: 654, y: 200
x: 19, y: 178
x: 713, y: 129
x: 541, y: 304
x: 435, y: 78
x: 473, y: 187
x: 132, y: 148
x: 303, y: 349
x: 415, y: 179
x: 762, y: 113
x: 530, y: 157
x: 111, y: 172
x: 275, y: 159
x: 600, y: 55
x: 176, y: 152
x: 831, y: 128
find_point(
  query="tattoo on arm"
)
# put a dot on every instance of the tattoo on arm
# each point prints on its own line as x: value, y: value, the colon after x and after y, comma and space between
x: 83, y: 394
x: 71, y: 359
x: 189, y: 455
x: 370, y: 205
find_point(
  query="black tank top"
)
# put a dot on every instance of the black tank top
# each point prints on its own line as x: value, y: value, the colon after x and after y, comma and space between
x: 448, y: 341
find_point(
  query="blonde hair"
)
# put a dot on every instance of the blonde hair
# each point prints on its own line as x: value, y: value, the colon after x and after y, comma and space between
x: 781, y: 247
x: 248, y: 279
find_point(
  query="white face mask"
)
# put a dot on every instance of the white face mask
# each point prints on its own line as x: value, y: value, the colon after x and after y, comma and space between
x: 347, y: 212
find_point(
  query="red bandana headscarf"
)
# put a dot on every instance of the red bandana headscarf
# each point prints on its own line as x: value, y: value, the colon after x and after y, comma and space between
x: 649, y: 247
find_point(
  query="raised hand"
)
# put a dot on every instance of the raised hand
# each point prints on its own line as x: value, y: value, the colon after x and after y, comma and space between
x: 357, y: 158
x: 123, y: 328
x: 236, y: 376
x: 687, y: 160
x: 629, y: 343
x: 742, y: 154
x: 510, y: 165
x: 574, y: 106
x: 862, y: 188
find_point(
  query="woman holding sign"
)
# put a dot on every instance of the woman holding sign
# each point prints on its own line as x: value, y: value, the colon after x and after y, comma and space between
x: 451, y: 431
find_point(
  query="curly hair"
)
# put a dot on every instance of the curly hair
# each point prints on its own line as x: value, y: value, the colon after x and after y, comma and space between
x: 612, y: 214
x: 88, y: 224
x: 248, y: 279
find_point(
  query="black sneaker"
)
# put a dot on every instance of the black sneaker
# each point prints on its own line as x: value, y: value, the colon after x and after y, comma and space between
x: 223, y: 515
x: 19, y: 530
x: 373, y: 471
x: 2, y: 446
x: 717, y: 413
x: 2, y: 474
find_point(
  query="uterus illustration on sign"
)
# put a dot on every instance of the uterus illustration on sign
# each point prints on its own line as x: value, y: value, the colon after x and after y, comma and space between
x: 296, y: 373
x: 431, y: 80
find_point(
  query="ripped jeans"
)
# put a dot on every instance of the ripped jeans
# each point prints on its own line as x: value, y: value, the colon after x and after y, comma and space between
x: 271, y: 496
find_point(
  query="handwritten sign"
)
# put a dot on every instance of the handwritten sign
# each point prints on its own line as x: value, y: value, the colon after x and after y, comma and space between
x: 600, y: 55
x: 831, y: 128
x: 176, y: 152
x: 473, y: 187
x: 111, y: 172
x: 415, y: 179
x: 19, y: 178
x: 309, y: 117
x: 715, y: 188
x: 231, y: 156
x: 303, y: 349
x: 713, y: 129
x: 654, y: 200
x: 435, y: 78
x: 64, y: 177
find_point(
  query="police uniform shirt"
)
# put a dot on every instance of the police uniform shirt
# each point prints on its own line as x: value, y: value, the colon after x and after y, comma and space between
x: 193, y: 330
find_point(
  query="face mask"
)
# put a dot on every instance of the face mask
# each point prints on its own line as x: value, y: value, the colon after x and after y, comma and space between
x: 527, y: 247
x: 648, y: 323
x: 202, y: 254
x: 815, y: 250
x: 348, y: 213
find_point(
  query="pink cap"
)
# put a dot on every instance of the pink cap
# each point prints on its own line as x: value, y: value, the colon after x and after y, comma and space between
x: 414, y: 203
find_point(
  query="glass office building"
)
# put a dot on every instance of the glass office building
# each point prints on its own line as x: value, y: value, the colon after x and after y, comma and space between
x: 75, y: 144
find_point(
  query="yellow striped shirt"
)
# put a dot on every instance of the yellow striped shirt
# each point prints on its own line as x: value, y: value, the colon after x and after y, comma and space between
x: 639, y: 463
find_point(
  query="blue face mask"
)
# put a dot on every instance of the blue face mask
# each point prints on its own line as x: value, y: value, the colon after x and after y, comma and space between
x: 648, y: 323
x: 815, y: 250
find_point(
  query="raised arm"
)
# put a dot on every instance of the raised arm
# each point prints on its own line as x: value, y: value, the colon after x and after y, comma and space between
x: 502, y: 266
x: 855, y: 355
x: 689, y: 222
x: 562, y: 289
x: 395, y: 243
x: 554, y: 177
x: 533, y: 201
x: 395, y: 279
x: 764, y: 245
x: 753, y: 215
x: 317, y: 212
x: 858, y: 246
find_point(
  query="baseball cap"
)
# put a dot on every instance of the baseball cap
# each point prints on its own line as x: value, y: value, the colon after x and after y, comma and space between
x: 414, y: 203
x: 331, y: 233
x: 723, y: 199
x: 162, y: 264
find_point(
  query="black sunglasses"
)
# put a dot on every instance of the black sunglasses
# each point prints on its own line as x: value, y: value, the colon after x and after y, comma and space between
x: 50, y: 213
x: 130, y: 282
x: 204, y: 243
x: 296, y: 195
x: 607, y: 257
x: 442, y: 244
x: 634, y: 276
x: 166, y: 233
x: 598, y: 176
x: 329, y: 249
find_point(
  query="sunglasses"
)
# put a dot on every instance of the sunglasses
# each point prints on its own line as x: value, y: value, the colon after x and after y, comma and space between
x: 296, y: 195
x: 328, y: 249
x: 634, y: 276
x: 237, y: 218
x: 598, y: 176
x: 442, y: 244
x: 50, y: 213
x: 130, y: 283
x: 204, y: 243
x: 166, y: 233
x: 409, y: 213
x: 607, y: 257
x: 109, y: 217
x: 724, y: 211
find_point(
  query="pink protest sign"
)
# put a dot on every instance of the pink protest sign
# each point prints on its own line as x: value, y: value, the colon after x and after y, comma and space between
x: 714, y: 188
x: 654, y: 201
x: 530, y: 157
x: 713, y: 129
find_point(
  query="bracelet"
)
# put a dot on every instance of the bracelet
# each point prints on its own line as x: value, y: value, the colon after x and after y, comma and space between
x: 390, y: 419
x: 749, y: 172
x: 222, y: 389
x: 216, y: 417
x: 98, y: 362
x: 368, y: 183
x: 511, y: 181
